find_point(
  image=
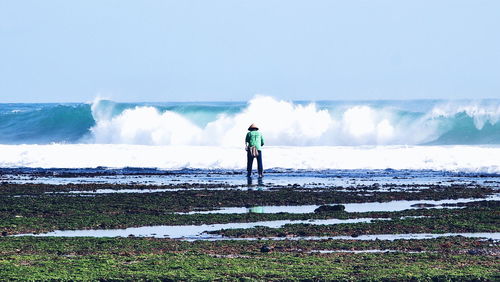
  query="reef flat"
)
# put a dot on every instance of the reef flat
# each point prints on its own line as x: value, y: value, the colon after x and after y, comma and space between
x: 226, y: 231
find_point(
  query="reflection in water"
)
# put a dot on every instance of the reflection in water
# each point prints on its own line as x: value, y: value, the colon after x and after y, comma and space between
x: 260, y: 183
x: 257, y: 209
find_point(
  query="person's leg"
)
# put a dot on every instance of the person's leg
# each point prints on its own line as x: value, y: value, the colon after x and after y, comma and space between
x: 259, y: 164
x: 249, y: 163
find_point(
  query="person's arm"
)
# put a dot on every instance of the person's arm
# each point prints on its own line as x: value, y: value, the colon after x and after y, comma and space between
x: 247, y: 140
x: 261, y: 140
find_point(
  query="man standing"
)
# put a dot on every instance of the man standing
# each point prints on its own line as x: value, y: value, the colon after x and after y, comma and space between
x: 254, y: 142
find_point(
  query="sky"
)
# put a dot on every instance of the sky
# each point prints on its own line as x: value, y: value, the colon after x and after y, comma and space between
x: 159, y: 50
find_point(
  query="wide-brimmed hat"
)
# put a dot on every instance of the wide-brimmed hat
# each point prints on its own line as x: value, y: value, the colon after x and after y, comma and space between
x: 253, y: 126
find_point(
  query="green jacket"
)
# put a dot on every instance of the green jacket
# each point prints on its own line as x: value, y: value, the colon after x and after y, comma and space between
x: 254, y: 138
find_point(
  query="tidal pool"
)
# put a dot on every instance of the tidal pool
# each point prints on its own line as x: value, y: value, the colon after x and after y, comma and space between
x: 363, y: 251
x: 203, y: 236
x: 351, y: 207
x: 186, y: 231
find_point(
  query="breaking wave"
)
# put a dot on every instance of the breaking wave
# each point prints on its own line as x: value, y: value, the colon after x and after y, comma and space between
x: 283, y: 123
x: 286, y: 123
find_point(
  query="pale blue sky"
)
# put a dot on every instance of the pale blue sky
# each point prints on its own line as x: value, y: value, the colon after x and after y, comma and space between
x: 61, y: 51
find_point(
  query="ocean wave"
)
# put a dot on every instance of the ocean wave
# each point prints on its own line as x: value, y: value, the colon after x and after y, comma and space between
x: 286, y: 123
x: 44, y: 123
x: 283, y: 123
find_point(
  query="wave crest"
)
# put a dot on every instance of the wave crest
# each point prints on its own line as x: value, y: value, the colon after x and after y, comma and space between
x: 282, y: 123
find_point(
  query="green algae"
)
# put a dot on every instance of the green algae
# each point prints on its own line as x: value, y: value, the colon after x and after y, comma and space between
x: 160, y: 259
x: 126, y: 246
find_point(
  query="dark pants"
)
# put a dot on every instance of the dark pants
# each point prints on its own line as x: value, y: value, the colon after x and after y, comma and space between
x: 250, y: 163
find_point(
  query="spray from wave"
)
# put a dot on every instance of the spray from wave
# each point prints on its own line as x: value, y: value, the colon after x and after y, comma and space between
x: 285, y: 123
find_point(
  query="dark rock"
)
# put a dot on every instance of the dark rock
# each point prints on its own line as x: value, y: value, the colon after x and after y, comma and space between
x: 423, y: 205
x: 327, y: 208
x: 265, y: 249
x: 354, y: 235
x: 484, y: 252
x: 474, y: 252
x: 4, y: 233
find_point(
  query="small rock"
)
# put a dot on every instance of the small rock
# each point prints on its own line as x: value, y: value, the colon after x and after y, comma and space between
x: 4, y: 233
x: 354, y: 235
x: 423, y: 205
x: 474, y: 252
x: 265, y: 249
x: 328, y: 208
x: 484, y: 252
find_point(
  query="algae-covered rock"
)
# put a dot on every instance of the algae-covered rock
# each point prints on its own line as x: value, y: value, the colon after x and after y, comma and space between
x: 330, y: 208
x: 265, y: 249
x: 423, y: 205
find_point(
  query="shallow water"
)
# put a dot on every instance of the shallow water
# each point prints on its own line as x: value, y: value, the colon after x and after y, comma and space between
x: 393, y: 180
x: 388, y: 237
x: 138, y: 191
x: 362, y: 251
x: 186, y: 231
x: 352, y: 207
x: 208, y: 237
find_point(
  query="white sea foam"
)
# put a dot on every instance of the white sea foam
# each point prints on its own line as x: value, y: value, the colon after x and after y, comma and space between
x: 283, y: 123
x: 145, y: 125
x: 452, y: 158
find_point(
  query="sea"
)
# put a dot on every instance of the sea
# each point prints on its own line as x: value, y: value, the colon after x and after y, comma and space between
x: 430, y: 135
